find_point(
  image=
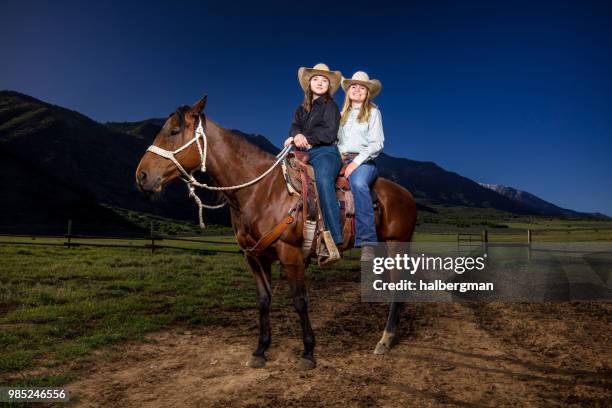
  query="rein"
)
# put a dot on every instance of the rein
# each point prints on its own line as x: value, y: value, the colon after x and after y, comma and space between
x: 190, y: 180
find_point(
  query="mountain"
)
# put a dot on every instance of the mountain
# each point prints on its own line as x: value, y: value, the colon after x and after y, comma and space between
x: 35, y: 201
x: 539, y: 205
x: 146, y: 129
x: 260, y: 141
x: 431, y: 184
x: 149, y: 128
x: 57, y: 164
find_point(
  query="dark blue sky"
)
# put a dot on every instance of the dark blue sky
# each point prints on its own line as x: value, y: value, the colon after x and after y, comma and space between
x: 516, y: 93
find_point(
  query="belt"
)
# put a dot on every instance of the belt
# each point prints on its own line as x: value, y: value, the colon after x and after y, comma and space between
x: 349, y: 156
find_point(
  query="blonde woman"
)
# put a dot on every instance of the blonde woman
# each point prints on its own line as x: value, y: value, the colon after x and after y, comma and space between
x: 315, y: 127
x: 360, y: 140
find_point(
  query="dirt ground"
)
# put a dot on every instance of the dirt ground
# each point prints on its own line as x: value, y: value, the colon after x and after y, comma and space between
x: 450, y: 354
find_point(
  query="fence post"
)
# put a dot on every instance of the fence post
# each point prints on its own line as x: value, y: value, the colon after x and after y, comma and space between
x: 529, y: 245
x: 529, y: 236
x: 152, y: 239
x: 485, y: 240
x: 69, y: 233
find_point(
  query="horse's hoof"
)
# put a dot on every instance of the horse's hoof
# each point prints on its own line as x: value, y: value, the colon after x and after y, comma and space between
x: 304, y: 364
x: 381, y: 348
x: 256, y: 362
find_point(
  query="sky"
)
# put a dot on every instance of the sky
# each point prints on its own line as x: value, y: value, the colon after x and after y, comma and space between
x: 517, y: 93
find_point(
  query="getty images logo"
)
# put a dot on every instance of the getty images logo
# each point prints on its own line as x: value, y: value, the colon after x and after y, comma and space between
x: 412, y: 264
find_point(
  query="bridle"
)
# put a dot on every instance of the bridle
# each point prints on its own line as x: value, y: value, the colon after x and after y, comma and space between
x: 170, y: 155
x: 190, y: 180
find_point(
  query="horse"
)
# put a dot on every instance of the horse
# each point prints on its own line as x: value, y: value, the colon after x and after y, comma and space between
x: 190, y: 141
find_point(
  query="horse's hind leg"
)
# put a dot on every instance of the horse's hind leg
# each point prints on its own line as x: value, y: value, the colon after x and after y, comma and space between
x: 261, y: 269
x: 389, y: 337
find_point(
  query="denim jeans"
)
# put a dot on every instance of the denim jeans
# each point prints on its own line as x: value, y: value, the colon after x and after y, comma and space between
x: 361, y: 179
x: 326, y: 162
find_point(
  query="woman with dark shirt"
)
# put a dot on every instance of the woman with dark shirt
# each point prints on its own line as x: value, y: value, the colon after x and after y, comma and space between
x: 315, y: 128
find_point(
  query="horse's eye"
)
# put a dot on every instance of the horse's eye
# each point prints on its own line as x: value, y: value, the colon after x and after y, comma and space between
x: 175, y: 131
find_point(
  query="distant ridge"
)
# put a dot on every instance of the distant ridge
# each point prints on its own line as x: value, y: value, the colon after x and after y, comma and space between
x: 146, y: 129
x: 76, y: 168
x: 542, y: 206
x: 57, y: 163
x: 431, y: 184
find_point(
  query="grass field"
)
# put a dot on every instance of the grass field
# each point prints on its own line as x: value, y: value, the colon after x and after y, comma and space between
x: 59, y: 304
x: 56, y: 304
x: 505, y: 227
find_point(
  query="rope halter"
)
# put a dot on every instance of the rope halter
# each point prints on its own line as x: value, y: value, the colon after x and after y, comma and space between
x: 202, y: 149
x: 170, y: 155
x: 188, y: 177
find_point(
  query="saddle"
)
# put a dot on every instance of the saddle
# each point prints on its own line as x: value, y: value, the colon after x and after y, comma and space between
x: 300, y: 180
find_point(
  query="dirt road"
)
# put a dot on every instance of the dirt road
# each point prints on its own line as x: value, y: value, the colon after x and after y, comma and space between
x: 467, y: 355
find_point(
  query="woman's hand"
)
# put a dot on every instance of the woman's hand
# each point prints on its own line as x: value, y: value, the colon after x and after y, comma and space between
x: 289, y: 141
x: 301, y: 141
x: 350, y: 168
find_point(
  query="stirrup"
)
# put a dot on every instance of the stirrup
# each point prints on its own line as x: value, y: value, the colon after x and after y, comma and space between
x: 330, y: 253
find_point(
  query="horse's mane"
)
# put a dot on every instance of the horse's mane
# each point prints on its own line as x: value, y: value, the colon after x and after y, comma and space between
x: 238, y: 142
x: 180, y: 114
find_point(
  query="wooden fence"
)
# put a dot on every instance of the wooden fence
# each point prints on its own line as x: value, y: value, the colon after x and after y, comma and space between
x: 467, y: 241
x: 152, y: 241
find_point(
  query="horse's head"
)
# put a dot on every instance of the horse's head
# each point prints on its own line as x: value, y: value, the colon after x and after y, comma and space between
x: 156, y: 169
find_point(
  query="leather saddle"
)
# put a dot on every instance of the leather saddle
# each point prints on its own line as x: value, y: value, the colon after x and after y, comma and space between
x: 300, y: 180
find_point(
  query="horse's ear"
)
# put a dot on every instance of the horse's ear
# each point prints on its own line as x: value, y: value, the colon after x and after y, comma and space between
x: 198, y: 107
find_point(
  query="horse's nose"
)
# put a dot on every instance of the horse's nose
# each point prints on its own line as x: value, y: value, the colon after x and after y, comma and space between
x: 141, y: 178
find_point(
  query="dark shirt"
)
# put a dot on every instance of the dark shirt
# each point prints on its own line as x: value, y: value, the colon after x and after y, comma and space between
x: 320, y: 125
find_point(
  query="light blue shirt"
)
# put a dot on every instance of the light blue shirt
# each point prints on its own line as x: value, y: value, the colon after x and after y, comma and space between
x: 366, y: 139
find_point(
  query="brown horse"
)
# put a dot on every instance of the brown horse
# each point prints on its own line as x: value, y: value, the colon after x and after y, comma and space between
x: 256, y: 209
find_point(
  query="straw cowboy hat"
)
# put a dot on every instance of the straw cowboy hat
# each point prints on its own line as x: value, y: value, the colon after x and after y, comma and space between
x: 360, y: 77
x: 304, y: 75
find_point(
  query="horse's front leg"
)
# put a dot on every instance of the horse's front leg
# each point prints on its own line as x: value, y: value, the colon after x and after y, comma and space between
x: 293, y: 266
x: 261, y: 269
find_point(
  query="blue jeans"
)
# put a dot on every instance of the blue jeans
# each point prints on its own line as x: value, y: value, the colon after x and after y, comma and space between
x: 326, y: 162
x: 361, y: 179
